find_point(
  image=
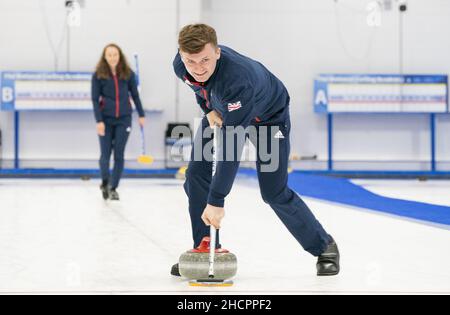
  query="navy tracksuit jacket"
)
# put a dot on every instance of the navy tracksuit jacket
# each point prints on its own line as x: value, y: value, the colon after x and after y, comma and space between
x: 246, y: 94
x: 112, y: 105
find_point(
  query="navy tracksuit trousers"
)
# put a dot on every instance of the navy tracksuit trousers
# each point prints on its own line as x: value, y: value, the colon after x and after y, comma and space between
x: 117, y: 131
x: 288, y: 206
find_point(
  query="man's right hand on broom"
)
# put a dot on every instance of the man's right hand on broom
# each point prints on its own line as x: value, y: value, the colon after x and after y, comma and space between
x: 213, y: 216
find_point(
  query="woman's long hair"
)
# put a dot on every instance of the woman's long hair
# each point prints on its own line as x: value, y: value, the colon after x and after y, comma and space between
x: 103, y: 71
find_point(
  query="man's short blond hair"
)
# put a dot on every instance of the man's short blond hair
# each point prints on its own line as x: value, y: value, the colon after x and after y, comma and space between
x: 194, y: 37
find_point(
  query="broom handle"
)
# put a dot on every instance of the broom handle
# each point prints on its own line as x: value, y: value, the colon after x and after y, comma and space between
x: 213, y: 231
x: 143, y: 140
x: 138, y: 82
x: 136, y: 65
x: 215, y: 149
x: 212, y: 250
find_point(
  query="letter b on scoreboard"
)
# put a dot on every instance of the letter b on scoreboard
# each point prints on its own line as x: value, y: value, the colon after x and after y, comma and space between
x: 7, y: 95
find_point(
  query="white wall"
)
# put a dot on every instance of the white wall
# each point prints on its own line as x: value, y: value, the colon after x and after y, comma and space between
x: 296, y: 39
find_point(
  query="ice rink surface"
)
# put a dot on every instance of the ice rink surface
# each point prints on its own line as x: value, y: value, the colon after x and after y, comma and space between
x: 59, y: 236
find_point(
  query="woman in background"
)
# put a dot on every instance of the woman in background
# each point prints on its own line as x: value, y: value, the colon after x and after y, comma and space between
x: 112, y: 85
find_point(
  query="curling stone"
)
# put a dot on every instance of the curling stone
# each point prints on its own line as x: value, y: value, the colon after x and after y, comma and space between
x: 194, y: 264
